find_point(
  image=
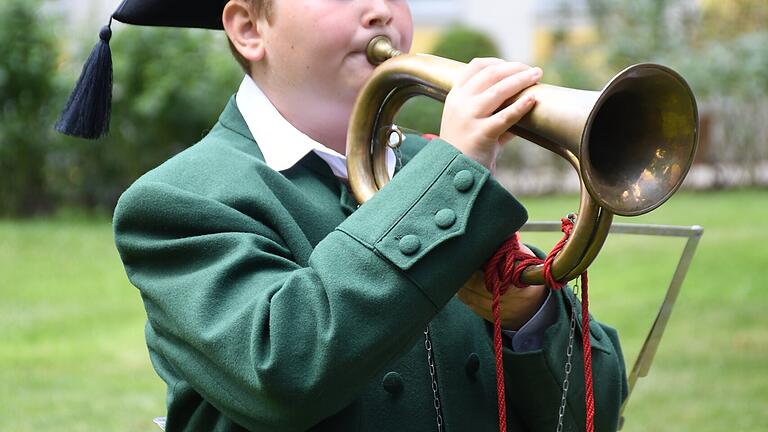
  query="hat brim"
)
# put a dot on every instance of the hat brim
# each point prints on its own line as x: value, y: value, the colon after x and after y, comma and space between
x: 204, y: 14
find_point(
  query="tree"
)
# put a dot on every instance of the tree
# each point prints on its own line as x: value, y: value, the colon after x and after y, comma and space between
x: 169, y: 87
x: 27, y: 84
x: 459, y: 43
x: 719, y: 47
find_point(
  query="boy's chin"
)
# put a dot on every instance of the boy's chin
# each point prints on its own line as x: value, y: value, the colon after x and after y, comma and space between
x: 359, y: 75
x: 359, y: 61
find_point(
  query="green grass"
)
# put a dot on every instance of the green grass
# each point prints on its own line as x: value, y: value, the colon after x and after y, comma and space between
x: 72, y: 355
x: 711, y: 370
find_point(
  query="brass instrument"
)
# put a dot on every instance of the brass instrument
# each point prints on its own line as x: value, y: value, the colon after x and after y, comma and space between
x: 631, y: 143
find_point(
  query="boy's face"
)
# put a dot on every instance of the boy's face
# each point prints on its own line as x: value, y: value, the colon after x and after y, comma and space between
x: 318, y: 46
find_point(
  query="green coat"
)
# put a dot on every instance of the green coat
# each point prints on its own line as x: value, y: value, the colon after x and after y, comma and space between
x: 274, y: 304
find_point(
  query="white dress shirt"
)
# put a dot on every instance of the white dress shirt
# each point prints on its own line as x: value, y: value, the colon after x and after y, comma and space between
x: 279, y: 141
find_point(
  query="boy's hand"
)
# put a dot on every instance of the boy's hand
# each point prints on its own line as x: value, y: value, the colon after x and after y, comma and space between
x: 472, y: 121
x: 517, y: 305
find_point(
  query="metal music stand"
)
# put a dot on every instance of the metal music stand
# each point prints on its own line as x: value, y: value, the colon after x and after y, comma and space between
x: 693, y: 233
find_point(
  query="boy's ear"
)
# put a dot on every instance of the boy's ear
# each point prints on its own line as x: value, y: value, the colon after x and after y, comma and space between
x: 242, y: 27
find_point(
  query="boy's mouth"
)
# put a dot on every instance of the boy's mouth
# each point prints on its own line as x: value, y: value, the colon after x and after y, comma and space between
x: 360, y: 54
x: 363, y: 45
x: 360, y: 57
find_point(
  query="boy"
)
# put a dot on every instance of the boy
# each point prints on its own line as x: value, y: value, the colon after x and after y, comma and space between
x: 275, y: 304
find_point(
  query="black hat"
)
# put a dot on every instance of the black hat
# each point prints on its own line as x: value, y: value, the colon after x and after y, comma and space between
x: 87, y: 112
x: 172, y: 13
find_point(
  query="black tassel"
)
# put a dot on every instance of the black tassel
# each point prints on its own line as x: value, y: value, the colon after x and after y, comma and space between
x: 87, y: 112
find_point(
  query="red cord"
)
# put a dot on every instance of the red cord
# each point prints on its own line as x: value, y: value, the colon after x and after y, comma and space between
x: 587, y: 345
x: 498, y: 280
x: 501, y: 272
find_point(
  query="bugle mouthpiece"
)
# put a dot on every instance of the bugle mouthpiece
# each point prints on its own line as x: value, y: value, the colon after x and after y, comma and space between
x: 380, y: 49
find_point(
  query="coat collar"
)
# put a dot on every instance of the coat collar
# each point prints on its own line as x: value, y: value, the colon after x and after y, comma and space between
x: 251, y: 114
x: 282, y: 144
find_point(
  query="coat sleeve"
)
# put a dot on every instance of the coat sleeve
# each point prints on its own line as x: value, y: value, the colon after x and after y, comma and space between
x: 258, y: 335
x: 538, y: 376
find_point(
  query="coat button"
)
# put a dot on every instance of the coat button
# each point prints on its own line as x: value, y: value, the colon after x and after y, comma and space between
x: 392, y: 383
x: 473, y: 364
x: 463, y: 180
x: 409, y: 244
x: 445, y: 218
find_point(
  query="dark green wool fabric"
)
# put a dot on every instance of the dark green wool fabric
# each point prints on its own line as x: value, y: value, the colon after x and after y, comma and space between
x: 275, y: 304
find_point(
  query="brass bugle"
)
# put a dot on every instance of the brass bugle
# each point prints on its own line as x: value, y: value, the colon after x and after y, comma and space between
x: 632, y: 143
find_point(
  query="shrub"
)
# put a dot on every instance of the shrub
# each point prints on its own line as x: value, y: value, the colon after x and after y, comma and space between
x: 169, y: 87
x: 458, y: 43
x: 26, y: 85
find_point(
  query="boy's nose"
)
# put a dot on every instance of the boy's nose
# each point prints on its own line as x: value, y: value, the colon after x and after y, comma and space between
x: 377, y: 14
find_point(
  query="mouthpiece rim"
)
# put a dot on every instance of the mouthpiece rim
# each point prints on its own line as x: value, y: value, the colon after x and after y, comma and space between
x: 380, y: 49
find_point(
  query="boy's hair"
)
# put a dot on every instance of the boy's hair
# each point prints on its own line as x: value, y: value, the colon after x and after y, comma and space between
x: 258, y: 7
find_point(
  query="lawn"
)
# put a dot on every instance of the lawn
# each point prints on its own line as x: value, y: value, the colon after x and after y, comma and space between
x: 72, y: 356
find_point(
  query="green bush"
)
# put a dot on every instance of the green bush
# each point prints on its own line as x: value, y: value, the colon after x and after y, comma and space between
x: 458, y: 43
x: 463, y: 44
x: 421, y: 115
x: 27, y: 57
x: 169, y: 87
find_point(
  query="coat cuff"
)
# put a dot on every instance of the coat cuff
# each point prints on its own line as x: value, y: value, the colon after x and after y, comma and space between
x: 530, y: 337
x: 439, y: 207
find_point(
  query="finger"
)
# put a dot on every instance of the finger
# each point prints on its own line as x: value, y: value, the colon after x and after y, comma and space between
x: 477, y: 296
x: 473, y: 67
x: 526, y: 249
x: 507, y: 117
x: 468, y: 299
x: 504, y: 90
x: 469, y: 296
x: 477, y: 303
x: 464, y: 296
x: 478, y: 292
x: 494, y: 74
x: 506, y: 137
x: 476, y: 284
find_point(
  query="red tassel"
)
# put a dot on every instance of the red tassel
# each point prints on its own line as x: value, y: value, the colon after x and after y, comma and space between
x: 501, y: 272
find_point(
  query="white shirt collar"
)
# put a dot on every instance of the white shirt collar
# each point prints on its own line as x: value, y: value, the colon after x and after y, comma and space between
x: 279, y: 141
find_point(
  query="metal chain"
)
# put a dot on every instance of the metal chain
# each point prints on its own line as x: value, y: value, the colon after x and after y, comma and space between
x: 433, y: 375
x: 568, y: 364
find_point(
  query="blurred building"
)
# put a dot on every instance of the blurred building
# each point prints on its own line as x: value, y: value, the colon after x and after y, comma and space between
x: 522, y: 29
x: 510, y: 24
x: 81, y: 15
